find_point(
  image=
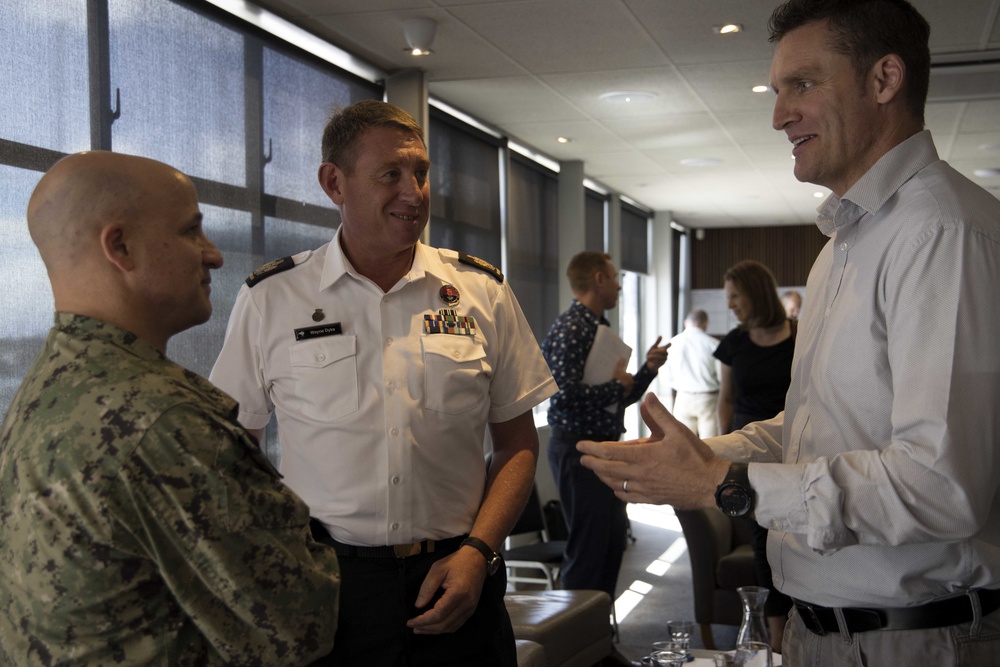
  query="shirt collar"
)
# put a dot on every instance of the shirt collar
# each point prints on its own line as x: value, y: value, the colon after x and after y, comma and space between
x: 581, y: 310
x: 94, y: 329
x: 89, y: 328
x: 870, y: 193
x: 336, y: 265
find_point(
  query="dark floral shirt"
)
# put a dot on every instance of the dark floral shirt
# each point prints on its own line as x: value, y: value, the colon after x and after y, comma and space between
x: 577, y: 407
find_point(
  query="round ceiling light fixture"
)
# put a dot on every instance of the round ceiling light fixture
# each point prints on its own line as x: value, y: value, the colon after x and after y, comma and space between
x: 419, y: 33
x: 629, y: 97
x: 701, y: 162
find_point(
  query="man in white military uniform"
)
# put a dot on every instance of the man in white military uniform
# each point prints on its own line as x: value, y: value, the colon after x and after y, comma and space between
x: 384, y: 360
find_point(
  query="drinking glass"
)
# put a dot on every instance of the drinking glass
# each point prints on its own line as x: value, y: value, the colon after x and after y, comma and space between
x: 753, y: 654
x: 680, y: 632
x: 670, y: 645
x: 669, y: 658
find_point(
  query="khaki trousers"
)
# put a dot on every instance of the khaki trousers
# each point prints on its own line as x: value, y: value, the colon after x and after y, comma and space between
x: 960, y: 645
x: 697, y: 412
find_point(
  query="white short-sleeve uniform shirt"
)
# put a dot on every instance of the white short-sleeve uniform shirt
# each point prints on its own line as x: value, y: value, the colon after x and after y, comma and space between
x: 382, y: 399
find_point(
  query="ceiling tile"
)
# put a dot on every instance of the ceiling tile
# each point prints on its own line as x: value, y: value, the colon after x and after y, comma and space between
x: 501, y: 101
x: 536, y: 69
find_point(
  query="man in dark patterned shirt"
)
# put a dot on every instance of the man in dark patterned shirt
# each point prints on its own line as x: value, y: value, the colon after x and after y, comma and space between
x: 140, y: 524
x: 596, y: 519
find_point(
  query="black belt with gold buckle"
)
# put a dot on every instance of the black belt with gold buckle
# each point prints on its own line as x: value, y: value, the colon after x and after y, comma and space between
x: 937, y: 614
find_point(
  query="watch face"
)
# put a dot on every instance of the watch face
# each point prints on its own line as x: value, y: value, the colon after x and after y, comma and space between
x: 493, y: 565
x: 734, y: 500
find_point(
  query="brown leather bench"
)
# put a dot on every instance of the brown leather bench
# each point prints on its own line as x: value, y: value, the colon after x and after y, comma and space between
x: 530, y: 654
x: 573, y: 627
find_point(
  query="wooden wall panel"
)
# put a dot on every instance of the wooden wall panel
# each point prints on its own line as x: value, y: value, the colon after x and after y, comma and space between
x: 788, y: 251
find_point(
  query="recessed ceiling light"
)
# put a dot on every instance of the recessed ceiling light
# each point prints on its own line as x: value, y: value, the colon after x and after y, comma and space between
x: 701, y: 162
x: 628, y: 97
x: 728, y: 29
x: 761, y: 89
x: 987, y: 173
x: 817, y: 195
x: 418, y: 52
x: 563, y: 140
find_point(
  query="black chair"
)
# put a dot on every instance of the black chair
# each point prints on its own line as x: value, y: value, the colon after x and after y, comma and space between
x: 540, y: 554
x: 721, y: 562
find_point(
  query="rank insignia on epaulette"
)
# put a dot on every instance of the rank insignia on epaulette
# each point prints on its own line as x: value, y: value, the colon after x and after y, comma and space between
x: 447, y: 322
x: 269, y: 269
x: 481, y: 265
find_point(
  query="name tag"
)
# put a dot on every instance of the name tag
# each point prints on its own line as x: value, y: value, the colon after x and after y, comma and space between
x: 320, y: 331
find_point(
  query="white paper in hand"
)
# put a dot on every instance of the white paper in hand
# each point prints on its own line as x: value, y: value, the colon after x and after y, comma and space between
x: 604, y: 355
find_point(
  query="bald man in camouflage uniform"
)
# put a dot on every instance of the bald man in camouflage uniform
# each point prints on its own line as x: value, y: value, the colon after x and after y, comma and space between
x: 139, y: 523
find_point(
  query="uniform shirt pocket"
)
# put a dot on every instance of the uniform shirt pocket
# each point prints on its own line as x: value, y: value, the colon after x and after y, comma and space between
x: 456, y: 373
x: 326, y: 376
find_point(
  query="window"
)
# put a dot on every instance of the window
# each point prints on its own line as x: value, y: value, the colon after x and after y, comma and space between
x: 44, y: 76
x: 239, y: 111
x: 635, y: 239
x: 533, y: 242
x: 630, y: 322
x: 595, y: 213
x: 634, y: 264
x: 26, y: 298
x: 180, y: 77
x: 299, y: 99
x: 465, y: 189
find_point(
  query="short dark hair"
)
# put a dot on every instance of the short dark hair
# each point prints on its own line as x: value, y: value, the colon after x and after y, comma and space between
x: 757, y: 282
x: 698, y: 317
x: 864, y: 31
x: 347, y: 124
x: 582, y: 268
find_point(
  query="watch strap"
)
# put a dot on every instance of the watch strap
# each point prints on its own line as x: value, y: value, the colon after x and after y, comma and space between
x: 491, y: 556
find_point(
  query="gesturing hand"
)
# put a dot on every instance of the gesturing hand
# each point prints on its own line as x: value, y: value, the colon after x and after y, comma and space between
x: 671, y: 467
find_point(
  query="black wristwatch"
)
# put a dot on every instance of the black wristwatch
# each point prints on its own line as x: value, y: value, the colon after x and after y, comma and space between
x: 734, y: 496
x: 493, y: 559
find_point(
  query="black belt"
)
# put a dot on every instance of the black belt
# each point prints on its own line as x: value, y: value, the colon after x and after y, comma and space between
x: 937, y: 614
x: 560, y: 434
x: 448, y: 545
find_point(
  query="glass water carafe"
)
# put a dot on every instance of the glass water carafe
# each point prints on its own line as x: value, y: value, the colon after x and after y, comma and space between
x: 753, y: 645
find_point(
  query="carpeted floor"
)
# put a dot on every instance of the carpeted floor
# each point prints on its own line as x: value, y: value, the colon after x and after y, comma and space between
x: 654, y: 584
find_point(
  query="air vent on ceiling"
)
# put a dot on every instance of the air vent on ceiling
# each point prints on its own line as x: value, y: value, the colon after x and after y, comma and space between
x: 962, y: 77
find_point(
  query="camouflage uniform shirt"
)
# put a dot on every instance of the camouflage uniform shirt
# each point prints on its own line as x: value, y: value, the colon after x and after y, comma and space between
x: 141, y: 525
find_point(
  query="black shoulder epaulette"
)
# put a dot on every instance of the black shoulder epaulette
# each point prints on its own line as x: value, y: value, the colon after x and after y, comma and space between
x: 269, y: 269
x: 481, y: 265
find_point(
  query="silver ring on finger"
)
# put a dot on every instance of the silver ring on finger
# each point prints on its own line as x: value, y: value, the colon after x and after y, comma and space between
x: 625, y: 486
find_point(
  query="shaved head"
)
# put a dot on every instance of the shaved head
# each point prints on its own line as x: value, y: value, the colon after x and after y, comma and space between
x: 83, y: 192
x: 122, y: 242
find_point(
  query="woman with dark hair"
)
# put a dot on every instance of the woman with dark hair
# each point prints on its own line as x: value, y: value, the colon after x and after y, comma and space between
x: 756, y: 361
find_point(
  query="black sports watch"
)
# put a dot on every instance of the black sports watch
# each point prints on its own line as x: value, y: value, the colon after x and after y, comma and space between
x: 493, y: 559
x: 734, y: 496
